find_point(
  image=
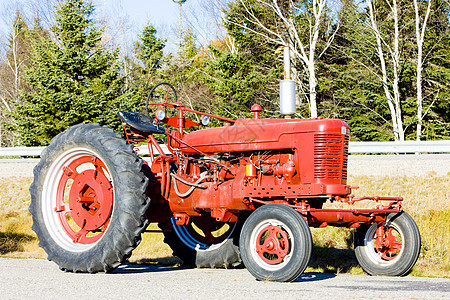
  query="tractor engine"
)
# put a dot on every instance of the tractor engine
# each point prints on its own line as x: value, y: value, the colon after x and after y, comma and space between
x: 277, y: 160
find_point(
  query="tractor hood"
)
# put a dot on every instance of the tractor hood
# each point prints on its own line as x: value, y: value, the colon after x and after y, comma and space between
x: 259, y: 134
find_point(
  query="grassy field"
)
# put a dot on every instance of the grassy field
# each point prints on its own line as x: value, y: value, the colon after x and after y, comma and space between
x: 427, y: 200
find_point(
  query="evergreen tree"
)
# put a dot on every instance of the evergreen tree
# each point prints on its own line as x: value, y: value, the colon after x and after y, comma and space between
x: 73, y: 78
x: 144, y: 67
x: 239, y: 80
x: 186, y: 72
x: 356, y: 91
x: 149, y: 53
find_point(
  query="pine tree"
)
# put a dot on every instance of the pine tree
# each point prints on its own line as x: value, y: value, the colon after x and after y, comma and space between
x: 73, y: 78
x: 149, y: 53
x: 186, y: 71
x: 436, y: 77
x: 144, y: 66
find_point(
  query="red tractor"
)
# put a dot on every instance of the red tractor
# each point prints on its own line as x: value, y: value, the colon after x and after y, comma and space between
x: 246, y: 192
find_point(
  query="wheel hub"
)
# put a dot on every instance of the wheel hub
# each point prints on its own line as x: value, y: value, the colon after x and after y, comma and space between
x: 91, y: 200
x: 272, y: 244
x: 85, y: 199
x: 387, y: 244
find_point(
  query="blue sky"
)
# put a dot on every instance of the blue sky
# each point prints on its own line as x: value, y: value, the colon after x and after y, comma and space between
x: 157, y: 12
x: 164, y: 14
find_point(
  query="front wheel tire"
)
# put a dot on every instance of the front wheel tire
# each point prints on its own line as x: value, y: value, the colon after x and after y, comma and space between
x: 390, y: 248
x: 275, y: 243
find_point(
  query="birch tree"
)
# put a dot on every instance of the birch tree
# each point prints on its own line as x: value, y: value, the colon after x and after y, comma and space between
x: 420, y: 35
x: 285, y: 30
x: 11, y: 74
x: 15, y: 61
x: 392, y: 53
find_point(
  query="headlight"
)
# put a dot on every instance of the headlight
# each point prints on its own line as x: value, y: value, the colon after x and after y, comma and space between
x: 204, y: 120
x: 160, y: 114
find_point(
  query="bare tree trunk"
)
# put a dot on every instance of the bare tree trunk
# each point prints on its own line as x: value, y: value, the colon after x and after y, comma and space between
x: 420, y: 35
x: 396, y: 63
x: 15, y: 66
x: 318, y: 6
x: 393, y: 98
x: 11, y: 81
x: 8, y: 107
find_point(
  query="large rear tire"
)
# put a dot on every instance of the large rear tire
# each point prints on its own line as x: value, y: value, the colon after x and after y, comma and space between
x: 204, y: 243
x: 275, y: 243
x: 88, y: 199
x: 395, y: 252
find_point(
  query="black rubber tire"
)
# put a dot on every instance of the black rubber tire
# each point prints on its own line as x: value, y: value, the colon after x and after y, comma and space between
x: 403, y: 262
x: 129, y: 204
x: 222, y: 255
x: 299, y: 240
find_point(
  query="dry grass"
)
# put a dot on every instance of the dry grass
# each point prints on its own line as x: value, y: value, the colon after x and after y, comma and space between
x: 153, y: 250
x: 16, y: 237
x: 427, y: 200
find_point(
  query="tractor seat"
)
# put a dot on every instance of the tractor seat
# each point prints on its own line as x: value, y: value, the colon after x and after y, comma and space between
x: 140, y: 122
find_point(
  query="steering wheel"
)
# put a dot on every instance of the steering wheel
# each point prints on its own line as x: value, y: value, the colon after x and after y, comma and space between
x: 150, y: 95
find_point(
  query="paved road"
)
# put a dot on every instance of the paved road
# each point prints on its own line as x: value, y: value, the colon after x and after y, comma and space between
x: 369, y: 165
x: 39, y: 279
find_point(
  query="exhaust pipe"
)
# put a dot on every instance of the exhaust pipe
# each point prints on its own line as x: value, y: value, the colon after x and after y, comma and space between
x: 287, y: 87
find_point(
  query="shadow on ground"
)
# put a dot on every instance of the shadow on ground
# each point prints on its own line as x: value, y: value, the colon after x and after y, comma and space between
x: 13, y: 242
x: 314, y: 276
x: 149, y: 265
x: 333, y: 260
x: 328, y: 260
x: 162, y: 264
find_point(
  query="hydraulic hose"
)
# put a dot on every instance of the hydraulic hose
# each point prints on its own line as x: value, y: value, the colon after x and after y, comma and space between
x: 193, y: 185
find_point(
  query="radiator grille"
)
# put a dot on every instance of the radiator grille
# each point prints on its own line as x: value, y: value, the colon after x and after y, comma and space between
x: 330, y: 156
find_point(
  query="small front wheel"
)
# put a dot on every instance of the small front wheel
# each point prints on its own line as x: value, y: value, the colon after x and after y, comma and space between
x: 275, y: 243
x: 390, y: 248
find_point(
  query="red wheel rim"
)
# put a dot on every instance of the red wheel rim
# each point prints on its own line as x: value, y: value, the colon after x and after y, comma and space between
x: 85, y: 199
x: 388, y: 243
x: 272, y: 244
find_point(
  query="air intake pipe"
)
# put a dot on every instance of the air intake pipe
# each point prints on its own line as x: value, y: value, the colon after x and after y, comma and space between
x: 287, y: 86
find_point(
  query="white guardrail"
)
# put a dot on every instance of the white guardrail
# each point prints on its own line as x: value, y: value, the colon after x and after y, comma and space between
x: 354, y: 147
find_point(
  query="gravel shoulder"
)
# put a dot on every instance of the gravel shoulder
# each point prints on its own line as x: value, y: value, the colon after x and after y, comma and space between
x: 25, y: 279
x: 399, y: 165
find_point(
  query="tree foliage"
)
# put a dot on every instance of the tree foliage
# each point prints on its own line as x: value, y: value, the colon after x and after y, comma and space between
x: 56, y: 77
x: 73, y: 78
x: 149, y: 53
x: 144, y: 66
x: 11, y: 76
